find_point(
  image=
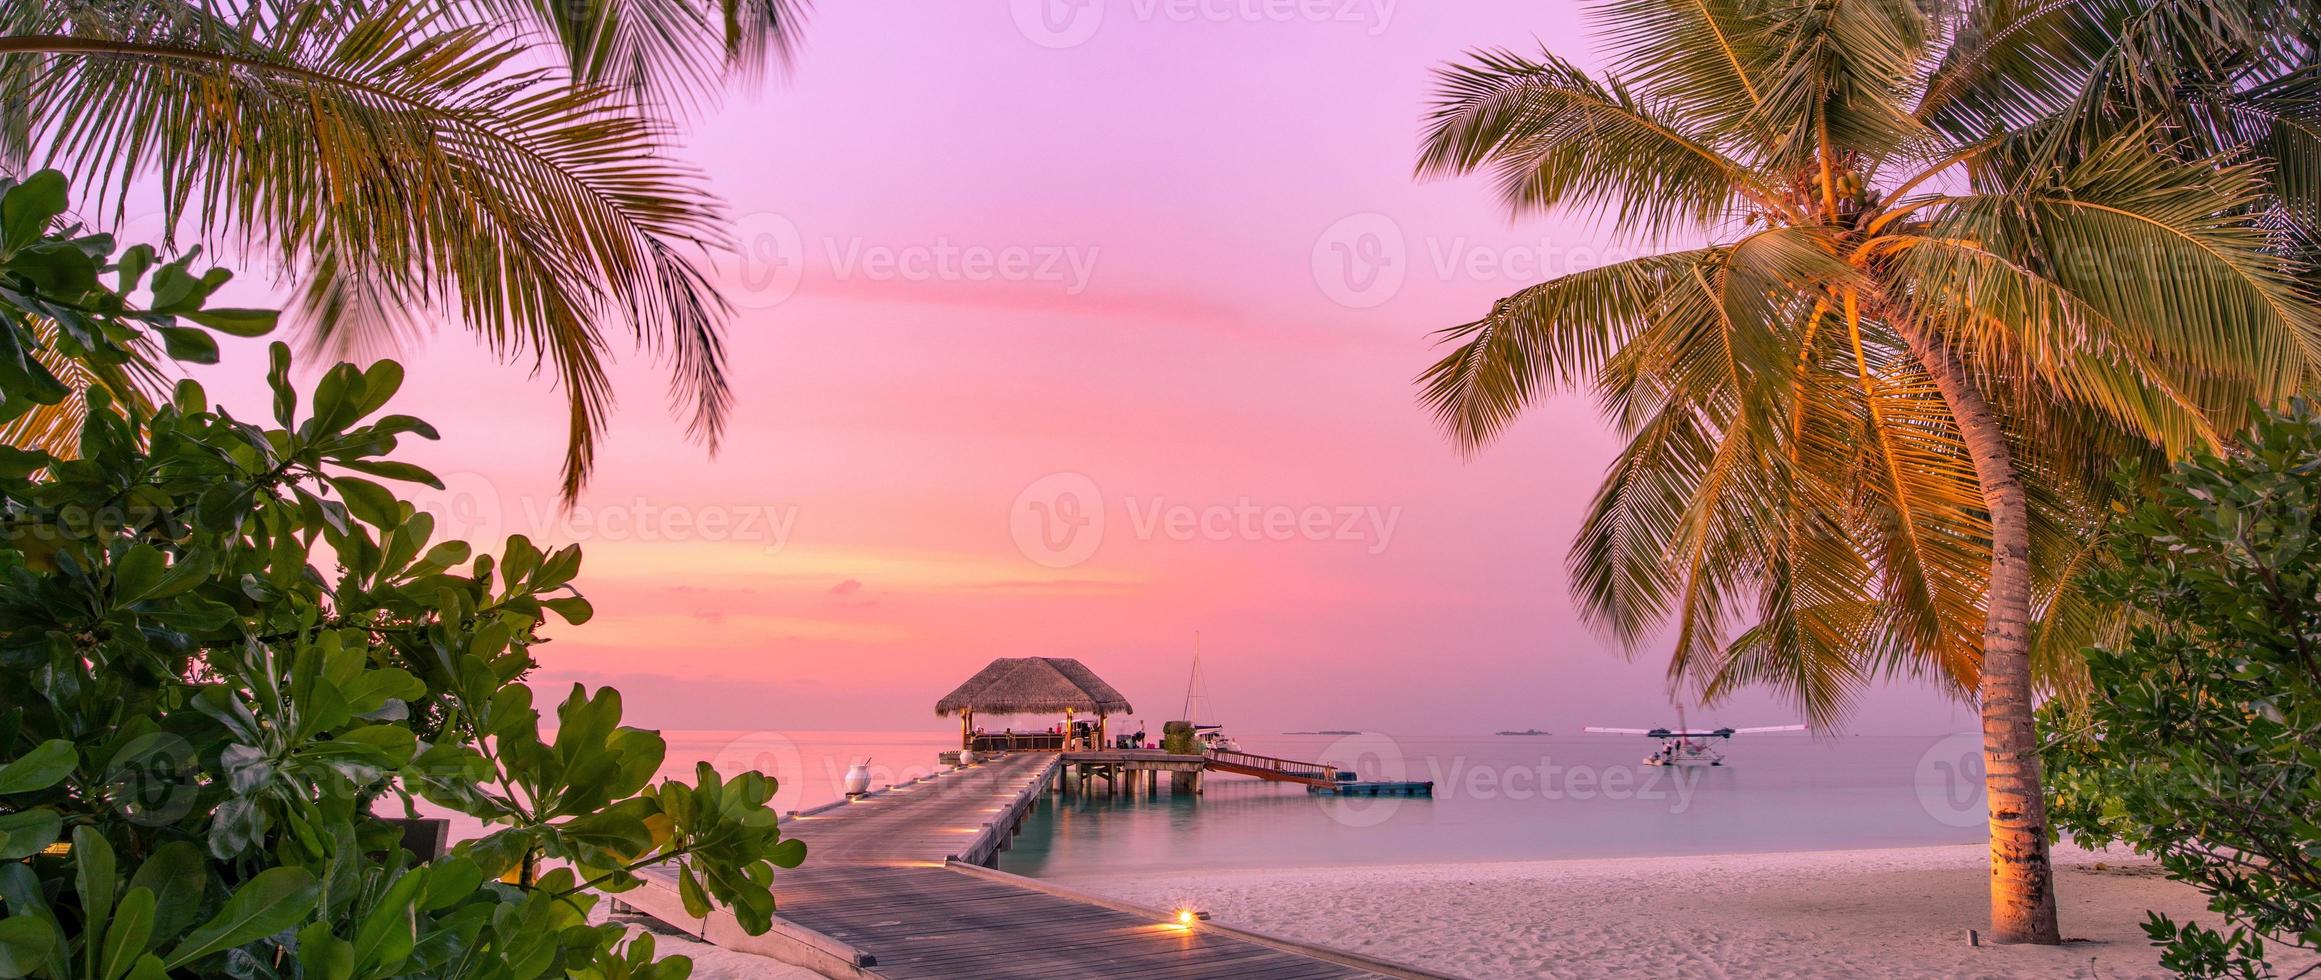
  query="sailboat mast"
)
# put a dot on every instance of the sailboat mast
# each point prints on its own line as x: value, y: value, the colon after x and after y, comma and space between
x: 1194, y: 678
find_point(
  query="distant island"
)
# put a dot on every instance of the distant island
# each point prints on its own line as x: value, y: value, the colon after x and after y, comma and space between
x: 1528, y: 731
x: 1328, y: 731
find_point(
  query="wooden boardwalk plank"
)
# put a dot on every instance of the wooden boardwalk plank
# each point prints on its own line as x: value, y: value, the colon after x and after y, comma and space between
x: 875, y: 879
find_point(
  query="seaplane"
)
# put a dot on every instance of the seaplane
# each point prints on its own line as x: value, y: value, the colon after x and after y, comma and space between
x: 1682, y: 746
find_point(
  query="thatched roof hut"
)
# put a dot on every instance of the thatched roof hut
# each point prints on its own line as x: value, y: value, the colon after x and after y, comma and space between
x: 1033, y: 685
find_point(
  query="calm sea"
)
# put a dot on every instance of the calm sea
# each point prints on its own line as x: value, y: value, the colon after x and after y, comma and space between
x: 1504, y: 798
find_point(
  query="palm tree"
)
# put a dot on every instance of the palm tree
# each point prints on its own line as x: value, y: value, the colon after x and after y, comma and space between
x: 1962, y: 263
x: 501, y: 162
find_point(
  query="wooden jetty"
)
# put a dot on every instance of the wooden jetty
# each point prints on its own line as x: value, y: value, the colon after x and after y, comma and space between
x: 1375, y: 787
x: 897, y: 884
x: 1312, y: 774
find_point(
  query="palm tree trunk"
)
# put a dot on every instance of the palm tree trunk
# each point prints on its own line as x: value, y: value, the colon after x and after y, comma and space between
x: 2022, y: 881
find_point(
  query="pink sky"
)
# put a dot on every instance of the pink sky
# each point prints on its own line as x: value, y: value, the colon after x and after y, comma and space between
x: 1166, y: 257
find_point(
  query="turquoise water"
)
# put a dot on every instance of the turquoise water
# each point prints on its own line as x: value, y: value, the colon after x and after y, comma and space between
x: 1496, y: 798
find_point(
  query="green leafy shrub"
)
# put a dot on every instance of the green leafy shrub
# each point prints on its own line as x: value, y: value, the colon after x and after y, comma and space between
x: 2201, y: 743
x: 1179, y: 738
x: 222, y: 642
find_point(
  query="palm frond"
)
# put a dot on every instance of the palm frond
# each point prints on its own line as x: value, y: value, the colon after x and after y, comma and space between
x: 407, y: 167
x: 2022, y: 326
x: 1557, y: 334
x: 1918, y: 505
x: 1706, y: 60
x: 670, y: 52
x: 1837, y: 80
x: 1556, y: 137
x: 2162, y: 250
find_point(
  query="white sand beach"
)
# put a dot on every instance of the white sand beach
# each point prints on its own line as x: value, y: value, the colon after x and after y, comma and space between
x: 1872, y: 913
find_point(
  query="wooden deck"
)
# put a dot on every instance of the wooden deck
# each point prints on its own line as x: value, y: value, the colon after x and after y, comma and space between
x: 890, y: 888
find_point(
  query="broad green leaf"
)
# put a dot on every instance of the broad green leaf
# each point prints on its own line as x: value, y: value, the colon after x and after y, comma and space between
x: 46, y: 765
x: 274, y: 900
x: 25, y: 833
x: 94, y: 881
x: 449, y: 879
x: 28, y: 207
x: 26, y: 945
x: 384, y: 941
x: 138, y: 572
x: 239, y: 323
x: 278, y: 379
x: 178, y: 290
x: 393, y: 470
x: 689, y: 891
x: 188, y: 344
x: 573, y: 609
x: 369, y: 502
x: 790, y: 853
x: 56, y: 269
x: 380, y: 382
x: 324, y: 956
x: 132, y: 264
x: 130, y: 935
x: 16, y: 464
x: 177, y: 876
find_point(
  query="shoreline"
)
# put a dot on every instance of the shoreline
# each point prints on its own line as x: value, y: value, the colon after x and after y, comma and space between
x: 1887, y: 912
